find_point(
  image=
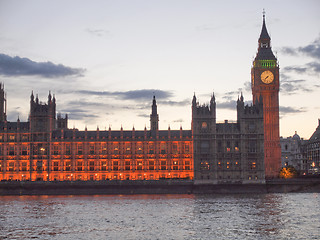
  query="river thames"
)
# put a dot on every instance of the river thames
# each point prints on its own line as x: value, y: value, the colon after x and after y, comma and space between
x: 232, y: 216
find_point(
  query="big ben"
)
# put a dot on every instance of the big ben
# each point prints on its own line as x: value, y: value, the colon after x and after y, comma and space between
x: 265, y: 85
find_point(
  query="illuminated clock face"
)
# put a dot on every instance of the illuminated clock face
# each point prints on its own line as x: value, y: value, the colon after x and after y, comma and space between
x: 267, y: 77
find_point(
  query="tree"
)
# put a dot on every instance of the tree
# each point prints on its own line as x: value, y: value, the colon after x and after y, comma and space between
x: 288, y: 172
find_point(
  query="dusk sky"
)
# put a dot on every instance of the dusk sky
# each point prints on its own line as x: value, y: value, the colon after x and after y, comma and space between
x: 104, y: 60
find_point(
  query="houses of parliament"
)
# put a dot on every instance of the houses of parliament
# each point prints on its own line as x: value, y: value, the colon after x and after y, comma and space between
x: 244, y: 151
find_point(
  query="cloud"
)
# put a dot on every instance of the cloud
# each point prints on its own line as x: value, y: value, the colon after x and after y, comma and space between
x: 289, y: 110
x: 227, y: 105
x: 17, y: 66
x: 97, y: 32
x: 141, y: 94
x: 309, y: 68
x: 311, y: 50
x: 182, y: 103
x: 143, y: 115
x: 180, y: 120
x: 289, y: 87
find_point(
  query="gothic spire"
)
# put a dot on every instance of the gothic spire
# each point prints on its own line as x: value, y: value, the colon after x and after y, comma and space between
x: 264, y: 33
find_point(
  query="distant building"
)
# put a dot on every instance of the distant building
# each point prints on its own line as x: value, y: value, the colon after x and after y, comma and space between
x: 312, y: 152
x: 292, y: 153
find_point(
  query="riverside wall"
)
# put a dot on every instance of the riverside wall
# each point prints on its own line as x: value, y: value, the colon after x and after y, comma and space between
x: 311, y: 185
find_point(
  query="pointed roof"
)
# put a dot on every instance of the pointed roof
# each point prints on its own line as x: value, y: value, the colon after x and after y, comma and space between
x: 316, y: 135
x: 264, y: 32
x: 264, y: 49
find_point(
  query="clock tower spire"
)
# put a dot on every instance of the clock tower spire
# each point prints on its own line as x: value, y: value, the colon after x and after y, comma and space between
x: 265, y: 84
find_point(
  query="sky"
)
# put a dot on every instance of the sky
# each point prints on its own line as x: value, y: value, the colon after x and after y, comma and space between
x: 104, y: 60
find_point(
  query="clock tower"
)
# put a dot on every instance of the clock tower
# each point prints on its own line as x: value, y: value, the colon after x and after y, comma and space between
x: 265, y: 84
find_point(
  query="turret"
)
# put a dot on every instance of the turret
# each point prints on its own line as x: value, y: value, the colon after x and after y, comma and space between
x: 154, y: 117
x: 3, y: 104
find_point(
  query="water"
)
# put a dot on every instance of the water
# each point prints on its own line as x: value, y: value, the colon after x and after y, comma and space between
x: 263, y: 216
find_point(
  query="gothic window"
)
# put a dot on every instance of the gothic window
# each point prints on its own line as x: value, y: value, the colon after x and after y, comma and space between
x: 219, y: 146
x: 236, y: 146
x: 204, y: 165
x: 56, y: 149
x: 151, y: 148
x: 68, y: 166
x: 11, y: 166
x: 163, y: 165
x: 175, y: 165
x: 115, y: 148
x: 186, y: 148
x: 174, y: 148
x: 103, y: 148
x: 151, y: 165
x: 79, y: 166
x: 91, y: 166
x: 204, y: 147
x: 252, y: 147
x: 163, y: 147
x: 187, y: 165
x: 128, y: 148
x: 103, y: 165
x: 139, y: 165
x: 139, y: 148
x: 24, y: 166
x: 91, y: 148
x: 127, y: 165
x: 115, y: 165
x: 80, y: 148
x: 55, y: 166
x: 68, y: 149
x: 228, y: 146
x: 11, y: 150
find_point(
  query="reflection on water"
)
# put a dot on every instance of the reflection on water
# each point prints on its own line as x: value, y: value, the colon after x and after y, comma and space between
x: 262, y: 216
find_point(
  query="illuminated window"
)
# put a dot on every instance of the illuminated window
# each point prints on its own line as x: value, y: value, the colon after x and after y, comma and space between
x: 187, y: 165
x: 253, y: 165
x: 163, y: 148
x: 91, y: 149
x: 68, y: 149
x: 174, y: 148
x: 55, y: 149
x: 103, y: 165
x: 186, y: 148
x: 79, y: 166
x: 24, y: 166
x: 128, y: 149
x: 55, y: 166
x: 127, y: 165
x: 139, y: 165
x: 204, y: 165
x: 175, y: 165
x: 151, y: 165
x: 68, y: 165
x: 91, y: 166
x: 103, y: 148
x: 11, y: 166
x: 163, y: 165
x: 11, y: 137
x: 151, y: 148
x: 80, y: 148
x: 115, y: 165
x: 139, y: 148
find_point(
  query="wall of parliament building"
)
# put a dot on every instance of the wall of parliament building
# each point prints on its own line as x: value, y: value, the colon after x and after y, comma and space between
x: 44, y: 148
x: 244, y: 151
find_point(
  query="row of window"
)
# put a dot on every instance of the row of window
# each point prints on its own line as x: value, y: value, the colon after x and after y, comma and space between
x: 114, y: 165
x: 41, y: 149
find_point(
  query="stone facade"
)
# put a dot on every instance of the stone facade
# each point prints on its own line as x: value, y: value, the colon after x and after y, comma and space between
x: 228, y: 152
